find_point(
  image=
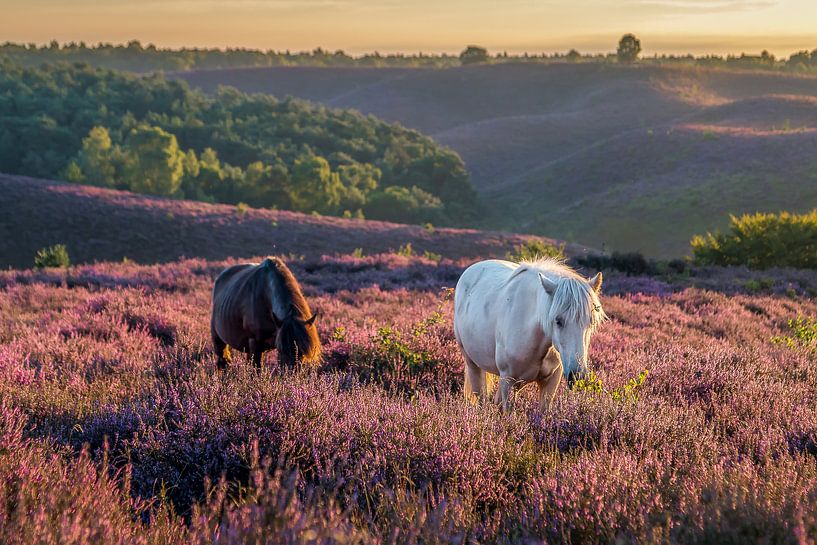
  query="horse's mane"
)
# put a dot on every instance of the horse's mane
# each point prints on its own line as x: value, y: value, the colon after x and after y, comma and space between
x: 295, y: 312
x: 292, y: 298
x: 574, y: 298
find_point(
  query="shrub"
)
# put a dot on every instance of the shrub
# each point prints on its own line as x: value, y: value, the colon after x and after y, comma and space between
x: 593, y: 384
x: 53, y: 256
x: 241, y: 209
x: 760, y: 241
x: 630, y: 263
x: 803, y: 333
x: 404, y: 205
x: 406, y: 250
x: 756, y: 286
x: 534, y: 249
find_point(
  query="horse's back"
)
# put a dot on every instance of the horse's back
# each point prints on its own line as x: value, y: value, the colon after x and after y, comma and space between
x: 229, y: 303
x: 228, y: 275
x: 477, y: 307
x: 483, y: 279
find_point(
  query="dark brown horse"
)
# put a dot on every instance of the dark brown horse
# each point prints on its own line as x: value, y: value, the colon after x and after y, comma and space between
x: 260, y: 307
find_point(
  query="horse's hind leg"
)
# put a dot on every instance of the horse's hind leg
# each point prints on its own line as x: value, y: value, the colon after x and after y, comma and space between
x: 474, y: 379
x: 219, y: 346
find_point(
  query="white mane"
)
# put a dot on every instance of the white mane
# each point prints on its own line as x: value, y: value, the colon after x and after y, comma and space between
x: 574, y: 298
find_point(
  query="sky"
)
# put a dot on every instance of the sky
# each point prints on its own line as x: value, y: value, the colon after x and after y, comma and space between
x: 358, y: 26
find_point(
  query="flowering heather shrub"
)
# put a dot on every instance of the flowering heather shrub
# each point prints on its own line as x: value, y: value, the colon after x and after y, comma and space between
x: 115, y: 426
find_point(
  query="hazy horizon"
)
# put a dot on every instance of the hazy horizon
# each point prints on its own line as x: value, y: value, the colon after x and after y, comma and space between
x: 360, y: 26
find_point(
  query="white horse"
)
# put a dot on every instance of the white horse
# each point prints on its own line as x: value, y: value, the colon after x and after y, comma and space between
x: 528, y: 322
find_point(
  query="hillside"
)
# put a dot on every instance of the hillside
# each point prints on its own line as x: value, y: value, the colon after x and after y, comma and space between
x: 106, y: 225
x: 578, y: 151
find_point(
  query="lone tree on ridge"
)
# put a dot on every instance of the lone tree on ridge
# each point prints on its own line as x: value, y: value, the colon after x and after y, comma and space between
x: 628, y: 49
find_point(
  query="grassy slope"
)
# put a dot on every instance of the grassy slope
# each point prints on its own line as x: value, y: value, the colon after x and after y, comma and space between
x: 577, y: 151
x: 99, y: 224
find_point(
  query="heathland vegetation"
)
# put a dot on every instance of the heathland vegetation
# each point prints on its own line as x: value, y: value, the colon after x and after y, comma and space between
x: 99, y: 224
x: 159, y: 137
x: 115, y: 426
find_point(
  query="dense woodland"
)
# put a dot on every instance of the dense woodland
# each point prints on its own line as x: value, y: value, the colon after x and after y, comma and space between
x: 154, y: 136
x: 136, y: 57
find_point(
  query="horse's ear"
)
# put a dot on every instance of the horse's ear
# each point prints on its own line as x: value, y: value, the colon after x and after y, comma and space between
x: 547, y: 283
x: 596, y: 282
x: 312, y: 319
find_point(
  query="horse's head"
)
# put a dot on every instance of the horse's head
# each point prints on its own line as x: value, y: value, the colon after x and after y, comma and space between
x: 297, y: 340
x: 575, y: 311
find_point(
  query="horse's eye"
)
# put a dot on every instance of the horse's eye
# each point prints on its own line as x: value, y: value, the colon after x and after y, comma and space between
x: 559, y: 322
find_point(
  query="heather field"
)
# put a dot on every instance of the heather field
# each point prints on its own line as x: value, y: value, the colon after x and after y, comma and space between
x: 115, y: 426
x: 97, y: 224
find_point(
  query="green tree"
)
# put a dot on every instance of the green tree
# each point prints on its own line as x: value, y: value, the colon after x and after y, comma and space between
x: 155, y: 164
x: 314, y: 186
x: 73, y: 173
x: 96, y: 159
x: 628, y: 49
x: 359, y: 180
x: 404, y: 205
x: 474, y: 54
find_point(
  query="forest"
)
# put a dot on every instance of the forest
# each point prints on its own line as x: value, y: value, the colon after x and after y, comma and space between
x: 154, y: 136
x: 137, y: 57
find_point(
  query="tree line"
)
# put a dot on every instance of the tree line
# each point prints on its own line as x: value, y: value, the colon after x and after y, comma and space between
x: 136, y: 57
x: 157, y: 136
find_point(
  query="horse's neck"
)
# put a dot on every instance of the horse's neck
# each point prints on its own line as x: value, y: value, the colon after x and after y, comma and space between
x: 543, y: 302
x: 279, y: 301
x: 529, y: 286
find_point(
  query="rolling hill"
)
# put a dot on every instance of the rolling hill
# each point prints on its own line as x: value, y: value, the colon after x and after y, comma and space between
x: 628, y: 158
x: 106, y: 225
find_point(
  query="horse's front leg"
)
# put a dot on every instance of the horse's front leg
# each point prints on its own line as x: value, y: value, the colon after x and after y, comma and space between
x: 548, y: 380
x: 508, y: 387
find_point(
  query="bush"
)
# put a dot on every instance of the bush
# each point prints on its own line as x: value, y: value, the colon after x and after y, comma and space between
x: 803, y: 333
x: 405, y: 250
x: 53, y: 256
x: 535, y: 249
x: 630, y: 263
x: 404, y: 205
x: 760, y: 241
